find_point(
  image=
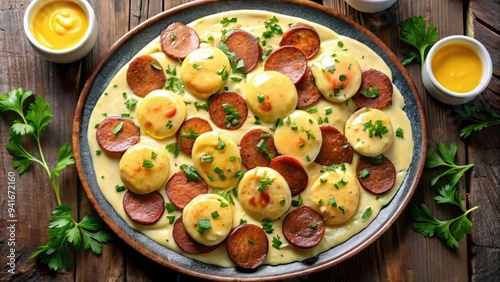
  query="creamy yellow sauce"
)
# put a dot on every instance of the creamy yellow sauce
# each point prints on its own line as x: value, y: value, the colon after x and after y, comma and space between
x: 60, y: 25
x: 457, y: 68
x: 112, y: 103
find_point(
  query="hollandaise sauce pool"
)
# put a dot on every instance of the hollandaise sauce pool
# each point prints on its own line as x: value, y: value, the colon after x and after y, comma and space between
x: 457, y: 68
x: 60, y: 25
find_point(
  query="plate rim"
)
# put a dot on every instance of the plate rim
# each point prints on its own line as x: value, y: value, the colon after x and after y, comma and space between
x: 131, y: 241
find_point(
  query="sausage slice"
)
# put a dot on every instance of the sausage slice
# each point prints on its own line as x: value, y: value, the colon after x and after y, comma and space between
x: 303, y: 227
x: 180, y: 191
x: 376, y: 178
x: 335, y: 148
x: 144, y: 209
x: 247, y: 246
x: 178, y: 39
x: 145, y: 74
x: 307, y: 91
x: 255, y: 152
x: 372, y: 79
x: 228, y: 110
x: 186, y: 243
x: 188, y: 132
x: 116, y: 134
x: 289, y: 61
x: 292, y: 170
x: 304, y: 37
x: 245, y: 47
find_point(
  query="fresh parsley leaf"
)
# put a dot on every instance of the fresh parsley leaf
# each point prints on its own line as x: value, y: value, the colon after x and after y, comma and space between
x: 415, y: 32
x: 131, y: 103
x: 366, y: 214
x: 173, y: 148
x: 276, y: 242
x: 363, y: 173
x: 190, y: 172
x: 225, y: 21
x: 449, y: 195
x: 174, y: 84
x: 375, y: 129
x: 477, y: 119
x: 371, y: 92
x: 203, y: 224
x: 445, y: 156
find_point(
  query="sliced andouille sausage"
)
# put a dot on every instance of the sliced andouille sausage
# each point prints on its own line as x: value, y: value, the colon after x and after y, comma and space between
x: 245, y: 47
x: 257, y: 148
x: 307, y: 91
x: 247, y: 246
x: 335, y: 148
x: 292, y: 170
x: 304, y: 37
x: 178, y: 39
x: 186, y: 243
x: 289, y: 61
x: 374, y: 177
x: 303, y: 227
x: 375, y: 90
x: 180, y: 190
x: 144, y: 209
x: 145, y: 74
x: 228, y: 110
x: 116, y: 134
x: 189, y: 130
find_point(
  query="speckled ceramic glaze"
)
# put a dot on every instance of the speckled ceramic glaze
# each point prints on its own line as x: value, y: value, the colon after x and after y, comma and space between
x: 136, y: 39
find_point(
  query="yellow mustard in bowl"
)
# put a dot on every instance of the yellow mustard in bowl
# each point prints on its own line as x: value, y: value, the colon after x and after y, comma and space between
x: 60, y: 25
x: 457, y: 67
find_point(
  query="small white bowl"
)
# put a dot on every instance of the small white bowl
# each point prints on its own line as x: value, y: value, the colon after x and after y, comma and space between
x: 447, y: 96
x: 69, y: 55
x: 370, y: 6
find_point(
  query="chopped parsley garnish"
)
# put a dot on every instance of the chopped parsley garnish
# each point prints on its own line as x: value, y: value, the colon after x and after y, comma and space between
x: 313, y: 225
x: 190, y: 172
x: 221, y: 145
x: 155, y: 66
x: 342, y: 77
x: 173, y: 148
x: 332, y: 202
x: 199, y: 106
x: 232, y: 115
x: 276, y: 242
x: 131, y: 103
x: 250, y: 242
x: 215, y: 214
x: 375, y: 129
x: 119, y: 188
x: 174, y: 84
x: 147, y: 164
x: 377, y: 159
x: 98, y: 152
x: 298, y: 202
x: 169, y: 124
x: 171, y: 218
x: 261, y: 98
x: 203, y: 224
x: 366, y: 214
x: 170, y: 207
x: 341, y: 182
x: 220, y: 173
x: 118, y: 128
x: 207, y: 158
x: 262, y: 146
x: 328, y: 111
x: 223, y: 73
x: 282, y: 202
x: 364, y: 173
x: 267, y: 226
x: 264, y: 181
x: 399, y: 132
x: 225, y: 21
x: 191, y: 134
x: 371, y: 92
x: 272, y: 28
x: 330, y: 68
x: 153, y: 155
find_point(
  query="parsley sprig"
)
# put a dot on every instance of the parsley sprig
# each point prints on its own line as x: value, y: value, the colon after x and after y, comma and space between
x: 415, y: 32
x: 478, y: 119
x: 63, y: 230
x: 445, y: 156
x: 452, y: 230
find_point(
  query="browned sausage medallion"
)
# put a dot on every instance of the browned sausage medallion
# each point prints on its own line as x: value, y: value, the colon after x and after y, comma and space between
x: 247, y: 246
x: 178, y: 39
x: 335, y: 148
x: 289, y: 61
x: 377, y: 178
x: 186, y: 243
x: 180, y: 190
x: 303, y: 227
x: 144, y: 209
x: 293, y: 172
x: 245, y: 47
x: 228, y: 110
x: 257, y: 148
x: 188, y: 132
x: 116, y: 134
x: 304, y: 37
x: 307, y: 91
x: 375, y: 90
x: 144, y: 75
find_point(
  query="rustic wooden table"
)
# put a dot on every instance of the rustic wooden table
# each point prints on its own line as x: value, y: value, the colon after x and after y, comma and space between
x: 399, y: 255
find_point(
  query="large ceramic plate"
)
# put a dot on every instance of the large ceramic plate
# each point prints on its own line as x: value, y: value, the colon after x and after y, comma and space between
x: 136, y: 39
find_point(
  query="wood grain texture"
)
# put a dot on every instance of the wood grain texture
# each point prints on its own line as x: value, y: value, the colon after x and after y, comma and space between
x: 399, y: 255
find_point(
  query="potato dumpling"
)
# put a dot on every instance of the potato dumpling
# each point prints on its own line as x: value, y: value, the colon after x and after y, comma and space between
x: 144, y: 167
x: 369, y: 131
x: 264, y: 193
x: 270, y: 95
x: 204, y: 71
x: 161, y: 113
x: 337, y: 75
x: 335, y: 195
x: 216, y: 158
x: 208, y: 219
x: 299, y: 136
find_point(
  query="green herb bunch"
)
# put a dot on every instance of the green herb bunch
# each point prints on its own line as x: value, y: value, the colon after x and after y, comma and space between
x: 450, y: 231
x: 64, y: 231
x: 415, y: 32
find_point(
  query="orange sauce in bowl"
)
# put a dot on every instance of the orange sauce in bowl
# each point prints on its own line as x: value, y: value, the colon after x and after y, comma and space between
x: 60, y: 25
x: 457, y: 68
